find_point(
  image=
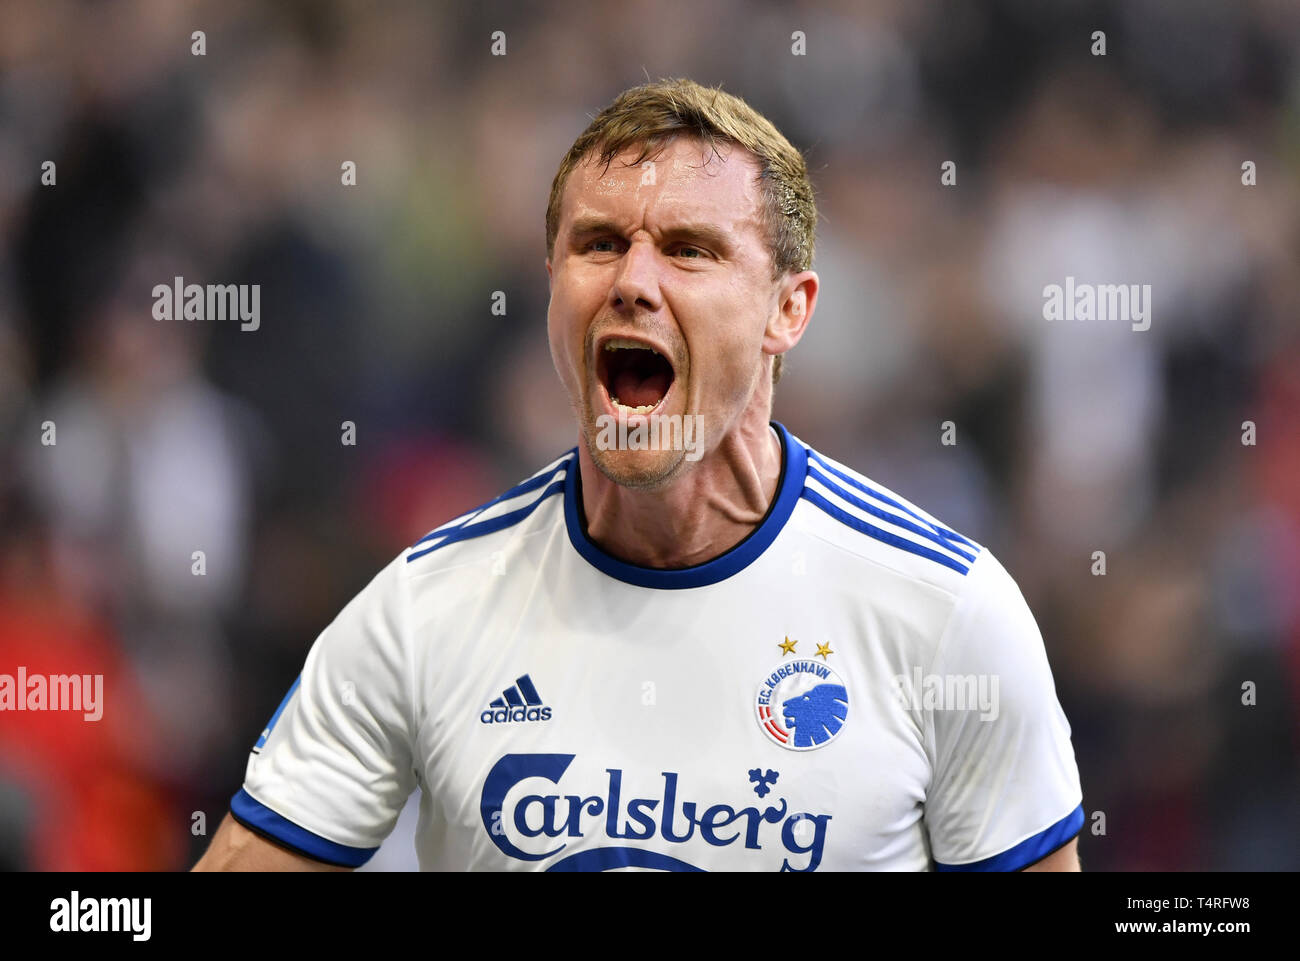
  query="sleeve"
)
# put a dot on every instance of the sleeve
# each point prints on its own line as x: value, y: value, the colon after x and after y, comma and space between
x: 1005, y: 786
x: 332, y: 770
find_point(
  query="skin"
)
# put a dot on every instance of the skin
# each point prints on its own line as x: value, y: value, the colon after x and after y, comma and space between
x: 235, y: 848
x: 1064, y: 858
x: 682, y: 265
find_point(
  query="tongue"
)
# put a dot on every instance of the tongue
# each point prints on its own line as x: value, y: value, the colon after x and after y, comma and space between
x: 634, y: 390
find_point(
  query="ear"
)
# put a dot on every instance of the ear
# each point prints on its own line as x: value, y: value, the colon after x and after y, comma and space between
x: 550, y: 278
x: 797, y: 299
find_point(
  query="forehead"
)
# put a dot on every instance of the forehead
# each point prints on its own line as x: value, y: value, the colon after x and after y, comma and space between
x: 685, y: 181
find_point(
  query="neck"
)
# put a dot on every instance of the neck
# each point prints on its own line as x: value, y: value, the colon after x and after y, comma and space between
x: 704, y: 512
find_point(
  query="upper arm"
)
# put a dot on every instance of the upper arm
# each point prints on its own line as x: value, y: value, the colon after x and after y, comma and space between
x: 236, y: 848
x: 334, y: 767
x: 1064, y: 858
x: 1004, y: 790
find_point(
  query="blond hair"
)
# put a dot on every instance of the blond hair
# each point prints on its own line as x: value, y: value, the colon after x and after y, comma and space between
x: 651, y: 115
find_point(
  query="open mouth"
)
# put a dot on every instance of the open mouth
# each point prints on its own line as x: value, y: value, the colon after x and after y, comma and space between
x: 636, y: 377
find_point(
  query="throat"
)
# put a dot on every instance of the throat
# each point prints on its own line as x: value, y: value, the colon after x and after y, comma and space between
x: 694, y: 521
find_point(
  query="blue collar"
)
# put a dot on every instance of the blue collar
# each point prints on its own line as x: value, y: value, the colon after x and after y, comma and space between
x: 794, y: 467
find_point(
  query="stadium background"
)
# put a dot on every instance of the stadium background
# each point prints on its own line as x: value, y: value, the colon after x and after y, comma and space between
x: 1072, y: 437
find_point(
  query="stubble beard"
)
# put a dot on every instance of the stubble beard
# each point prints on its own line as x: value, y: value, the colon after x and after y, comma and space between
x: 635, y: 469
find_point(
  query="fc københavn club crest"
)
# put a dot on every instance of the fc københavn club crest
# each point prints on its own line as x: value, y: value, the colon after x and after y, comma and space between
x: 802, y: 704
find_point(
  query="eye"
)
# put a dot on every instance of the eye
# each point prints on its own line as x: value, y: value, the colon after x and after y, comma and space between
x: 691, y: 253
x: 596, y: 245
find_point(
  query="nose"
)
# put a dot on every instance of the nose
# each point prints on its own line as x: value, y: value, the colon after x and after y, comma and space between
x: 636, y: 285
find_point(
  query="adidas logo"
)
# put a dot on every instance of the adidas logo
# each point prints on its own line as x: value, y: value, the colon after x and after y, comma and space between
x: 521, y: 702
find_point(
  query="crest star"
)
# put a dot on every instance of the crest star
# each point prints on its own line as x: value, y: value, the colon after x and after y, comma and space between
x: 823, y: 650
x: 787, y: 646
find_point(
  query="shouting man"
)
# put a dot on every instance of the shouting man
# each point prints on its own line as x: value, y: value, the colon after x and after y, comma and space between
x: 692, y: 642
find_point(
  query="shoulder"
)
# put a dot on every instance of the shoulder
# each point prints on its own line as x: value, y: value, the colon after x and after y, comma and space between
x: 884, y: 530
x: 530, y: 505
x: 451, y: 563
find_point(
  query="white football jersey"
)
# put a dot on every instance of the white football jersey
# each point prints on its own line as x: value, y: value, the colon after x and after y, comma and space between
x: 853, y: 686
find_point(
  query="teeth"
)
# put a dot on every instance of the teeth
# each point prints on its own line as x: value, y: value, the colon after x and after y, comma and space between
x: 628, y: 345
x: 643, y: 409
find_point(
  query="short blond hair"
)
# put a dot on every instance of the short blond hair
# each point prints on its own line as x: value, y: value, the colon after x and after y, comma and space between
x: 651, y: 115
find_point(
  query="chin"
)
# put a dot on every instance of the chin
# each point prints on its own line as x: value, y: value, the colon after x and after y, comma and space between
x: 638, y: 469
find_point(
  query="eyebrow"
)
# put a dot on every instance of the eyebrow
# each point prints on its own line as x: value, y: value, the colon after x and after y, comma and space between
x: 705, y: 234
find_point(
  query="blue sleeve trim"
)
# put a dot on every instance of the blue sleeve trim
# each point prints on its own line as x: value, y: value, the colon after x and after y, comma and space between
x: 1027, y: 851
x: 256, y: 816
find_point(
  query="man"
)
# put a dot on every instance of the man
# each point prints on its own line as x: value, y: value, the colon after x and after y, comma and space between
x: 691, y: 642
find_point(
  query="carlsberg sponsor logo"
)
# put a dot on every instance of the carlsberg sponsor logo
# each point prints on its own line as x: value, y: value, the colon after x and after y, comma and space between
x: 542, y: 824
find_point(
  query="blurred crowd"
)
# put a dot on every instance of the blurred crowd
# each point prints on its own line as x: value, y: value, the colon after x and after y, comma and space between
x: 376, y: 308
